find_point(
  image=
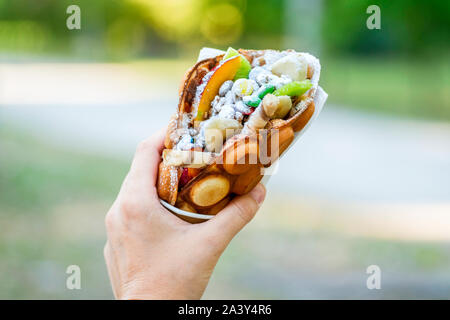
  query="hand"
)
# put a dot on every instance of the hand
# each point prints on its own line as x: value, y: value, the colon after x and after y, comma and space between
x: 153, y: 254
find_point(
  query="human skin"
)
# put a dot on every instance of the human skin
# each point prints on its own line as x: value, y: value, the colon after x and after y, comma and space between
x: 152, y: 254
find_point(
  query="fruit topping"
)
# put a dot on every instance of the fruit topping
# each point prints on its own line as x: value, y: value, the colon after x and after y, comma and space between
x: 284, y: 106
x: 244, y: 87
x: 186, y: 158
x: 187, y: 175
x: 252, y: 101
x: 245, y: 66
x: 184, y: 178
x: 265, y: 89
x: 225, y: 71
x: 293, y: 65
x: 249, y: 112
x: 218, y: 129
x: 231, y: 52
x: 294, y: 88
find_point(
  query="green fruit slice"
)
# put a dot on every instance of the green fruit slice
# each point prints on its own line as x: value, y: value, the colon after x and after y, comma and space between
x: 294, y: 88
x: 244, y: 69
x: 266, y: 89
x: 230, y: 53
x: 245, y: 66
x: 252, y: 101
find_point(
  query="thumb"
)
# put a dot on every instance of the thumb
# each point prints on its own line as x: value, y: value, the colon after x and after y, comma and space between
x: 228, y: 222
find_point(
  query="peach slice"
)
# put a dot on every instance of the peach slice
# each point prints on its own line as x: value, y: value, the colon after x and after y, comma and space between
x: 226, y: 71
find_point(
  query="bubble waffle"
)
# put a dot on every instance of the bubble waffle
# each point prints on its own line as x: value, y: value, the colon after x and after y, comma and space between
x: 227, y: 129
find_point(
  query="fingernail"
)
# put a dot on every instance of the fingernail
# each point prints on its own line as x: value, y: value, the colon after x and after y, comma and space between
x: 258, y: 193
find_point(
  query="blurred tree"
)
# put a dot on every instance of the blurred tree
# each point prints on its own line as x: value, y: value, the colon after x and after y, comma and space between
x: 175, y: 20
x: 407, y: 26
x: 263, y: 24
x: 222, y: 24
x: 132, y: 28
x: 303, y: 21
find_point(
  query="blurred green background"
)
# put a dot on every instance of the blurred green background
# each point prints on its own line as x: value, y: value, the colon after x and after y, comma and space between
x: 368, y: 184
x: 397, y: 69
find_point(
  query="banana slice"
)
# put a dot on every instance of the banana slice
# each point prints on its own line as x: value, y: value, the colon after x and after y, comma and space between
x: 218, y: 129
x: 293, y: 65
x: 284, y: 106
x: 186, y: 158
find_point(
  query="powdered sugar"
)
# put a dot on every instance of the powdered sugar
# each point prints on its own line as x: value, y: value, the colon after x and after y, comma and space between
x: 228, y: 104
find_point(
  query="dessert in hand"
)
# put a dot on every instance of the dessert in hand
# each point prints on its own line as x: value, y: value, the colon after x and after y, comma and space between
x: 232, y: 107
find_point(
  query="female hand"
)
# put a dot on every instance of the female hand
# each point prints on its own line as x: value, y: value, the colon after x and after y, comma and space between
x: 152, y: 254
